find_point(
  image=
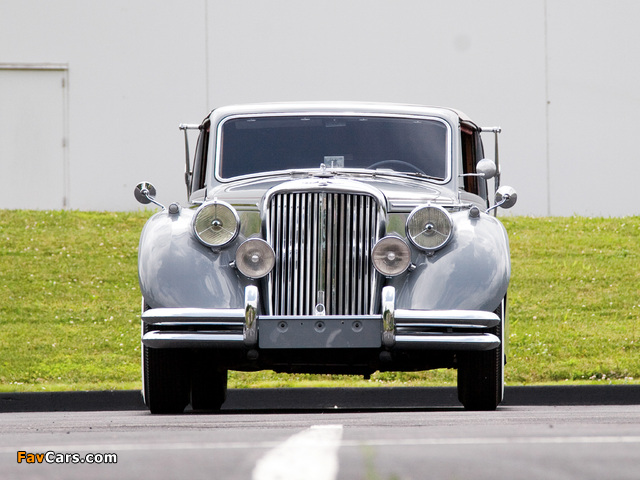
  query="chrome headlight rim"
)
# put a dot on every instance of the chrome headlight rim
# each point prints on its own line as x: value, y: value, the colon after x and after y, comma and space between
x: 390, y: 243
x: 255, y: 250
x: 204, y: 215
x: 439, y: 234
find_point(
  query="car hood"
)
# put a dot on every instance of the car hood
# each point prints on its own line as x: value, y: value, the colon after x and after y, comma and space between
x: 401, y: 193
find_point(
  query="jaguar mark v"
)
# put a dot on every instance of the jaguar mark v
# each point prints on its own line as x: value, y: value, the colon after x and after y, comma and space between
x: 327, y: 238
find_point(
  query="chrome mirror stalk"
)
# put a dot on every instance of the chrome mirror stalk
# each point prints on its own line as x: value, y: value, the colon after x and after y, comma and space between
x: 506, y: 197
x: 145, y: 193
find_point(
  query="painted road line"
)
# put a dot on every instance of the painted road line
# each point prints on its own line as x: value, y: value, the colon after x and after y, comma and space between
x: 311, y: 454
x: 385, y: 442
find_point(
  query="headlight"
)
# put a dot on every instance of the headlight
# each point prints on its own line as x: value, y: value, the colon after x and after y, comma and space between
x: 216, y: 223
x: 255, y: 258
x: 391, y: 256
x: 429, y: 228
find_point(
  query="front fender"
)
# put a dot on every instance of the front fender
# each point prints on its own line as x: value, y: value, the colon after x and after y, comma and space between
x: 176, y: 270
x: 471, y: 273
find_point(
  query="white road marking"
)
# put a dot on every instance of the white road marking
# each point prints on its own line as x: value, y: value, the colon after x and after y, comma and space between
x: 311, y: 454
x: 383, y: 442
x: 495, y: 441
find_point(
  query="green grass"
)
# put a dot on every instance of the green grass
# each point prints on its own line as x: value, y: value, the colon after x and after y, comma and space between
x: 69, y: 300
x: 70, y: 305
x: 574, y: 299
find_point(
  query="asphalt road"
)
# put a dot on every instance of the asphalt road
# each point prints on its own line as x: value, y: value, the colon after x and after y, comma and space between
x: 326, y: 399
x: 516, y: 442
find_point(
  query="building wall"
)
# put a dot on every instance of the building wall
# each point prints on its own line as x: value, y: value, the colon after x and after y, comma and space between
x: 557, y: 75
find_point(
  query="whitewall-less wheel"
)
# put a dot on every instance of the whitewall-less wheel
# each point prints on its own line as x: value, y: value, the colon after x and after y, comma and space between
x: 481, y: 374
x: 165, y: 378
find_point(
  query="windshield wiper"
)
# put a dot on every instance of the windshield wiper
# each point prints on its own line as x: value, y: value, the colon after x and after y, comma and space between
x: 384, y: 171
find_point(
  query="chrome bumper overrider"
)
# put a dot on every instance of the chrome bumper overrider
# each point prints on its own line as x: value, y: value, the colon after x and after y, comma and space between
x: 454, y: 330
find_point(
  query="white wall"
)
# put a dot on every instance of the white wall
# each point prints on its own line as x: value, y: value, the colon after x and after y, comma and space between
x: 594, y: 105
x: 136, y: 70
x: 32, y: 132
x: 558, y: 76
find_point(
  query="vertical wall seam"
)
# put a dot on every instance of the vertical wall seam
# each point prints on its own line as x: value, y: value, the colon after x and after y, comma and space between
x: 66, y: 164
x: 547, y: 104
x: 206, y: 55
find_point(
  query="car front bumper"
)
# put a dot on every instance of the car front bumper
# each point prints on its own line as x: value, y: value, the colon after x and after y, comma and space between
x: 453, y: 330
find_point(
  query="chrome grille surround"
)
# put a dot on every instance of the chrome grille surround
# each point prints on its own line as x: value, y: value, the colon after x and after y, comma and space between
x: 323, y: 231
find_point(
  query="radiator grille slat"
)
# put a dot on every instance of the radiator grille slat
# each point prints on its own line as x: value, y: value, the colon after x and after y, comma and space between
x: 323, y: 245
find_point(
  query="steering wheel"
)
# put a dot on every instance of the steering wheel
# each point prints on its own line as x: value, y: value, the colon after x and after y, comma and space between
x: 398, y: 163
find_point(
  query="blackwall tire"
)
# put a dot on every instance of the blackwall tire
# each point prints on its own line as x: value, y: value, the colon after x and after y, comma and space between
x: 481, y: 374
x: 208, y: 384
x: 165, y: 379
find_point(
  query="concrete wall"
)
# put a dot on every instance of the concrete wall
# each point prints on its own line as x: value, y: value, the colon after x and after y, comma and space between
x: 135, y: 70
x: 558, y: 76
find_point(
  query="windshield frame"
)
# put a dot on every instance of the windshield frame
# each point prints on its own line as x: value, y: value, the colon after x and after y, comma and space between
x: 302, y: 114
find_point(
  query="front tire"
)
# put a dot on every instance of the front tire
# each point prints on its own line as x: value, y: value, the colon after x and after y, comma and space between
x: 208, y: 384
x: 165, y: 381
x: 481, y: 374
x: 165, y: 378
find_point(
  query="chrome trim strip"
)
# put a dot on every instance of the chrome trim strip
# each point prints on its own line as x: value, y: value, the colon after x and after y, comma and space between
x: 212, y: 316
x: 290, y: 246
x: 250, y: 327
x: 326, y: 185
x: 203, y: 324
x: 447, y: 341
x: 421, y: 326
x: 388, y: 319
x: 331, y: 214
x: 344, y: 318
x: 206, y: 339
x: 296, y: 213
x: 353, y: 259
x: 313, y: 263
x: 400, y: 317
x: 361, y: 273
x: 451, y: 318
x: 321, y: 273
x: 156, y: 339
x: 212, y: 339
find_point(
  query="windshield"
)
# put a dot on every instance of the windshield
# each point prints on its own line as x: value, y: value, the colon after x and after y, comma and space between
x: 259, y: 144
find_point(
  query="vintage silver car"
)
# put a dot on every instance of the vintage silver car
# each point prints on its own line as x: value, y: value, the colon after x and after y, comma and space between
x: 342, y: 238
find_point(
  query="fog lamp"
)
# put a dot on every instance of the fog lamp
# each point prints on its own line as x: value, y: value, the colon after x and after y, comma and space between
x: 391, y: 256
x: 255, y: 258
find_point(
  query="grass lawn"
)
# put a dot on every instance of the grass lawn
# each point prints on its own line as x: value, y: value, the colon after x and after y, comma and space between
x: 70, y: 304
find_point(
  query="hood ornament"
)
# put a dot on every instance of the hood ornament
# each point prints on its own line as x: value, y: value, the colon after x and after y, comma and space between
x: 324, y: 173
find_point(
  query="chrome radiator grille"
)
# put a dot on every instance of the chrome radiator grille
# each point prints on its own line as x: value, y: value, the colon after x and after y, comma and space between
x: 323, y: 245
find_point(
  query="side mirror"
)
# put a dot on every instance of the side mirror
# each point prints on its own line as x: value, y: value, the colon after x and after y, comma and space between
x: 506, y: 197
x: 145, y: 193
x: 486, y: 168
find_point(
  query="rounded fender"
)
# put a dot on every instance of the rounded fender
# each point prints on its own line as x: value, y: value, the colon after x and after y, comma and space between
x: 176, y: 270
x: 471, y: 273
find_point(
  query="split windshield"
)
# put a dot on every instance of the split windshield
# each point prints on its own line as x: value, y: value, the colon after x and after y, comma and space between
x: 251, y: 145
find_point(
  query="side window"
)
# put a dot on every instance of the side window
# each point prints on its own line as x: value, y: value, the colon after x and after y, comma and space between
x: 198, y: 179
x: 472, y: 153
x: 479, y: 155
